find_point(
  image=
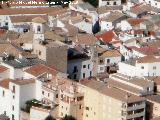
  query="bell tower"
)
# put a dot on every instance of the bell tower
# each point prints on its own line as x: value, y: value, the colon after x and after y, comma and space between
x: 38, y: 28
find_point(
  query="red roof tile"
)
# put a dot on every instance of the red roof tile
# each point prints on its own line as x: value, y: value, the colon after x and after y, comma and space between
x: 39, y: 69
x: 5, y: 83
x: 2, y: 69
x: 106, y: 36
x: 135, y: 21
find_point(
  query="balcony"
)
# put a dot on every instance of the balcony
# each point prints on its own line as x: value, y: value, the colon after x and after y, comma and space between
x: 133, y: 114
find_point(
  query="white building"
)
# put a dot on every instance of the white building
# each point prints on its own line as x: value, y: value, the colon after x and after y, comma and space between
x: 14, y: 95
x: 139, y: 86
x: 144, y: 66
x: 154, y: 3
x: 107, y: 59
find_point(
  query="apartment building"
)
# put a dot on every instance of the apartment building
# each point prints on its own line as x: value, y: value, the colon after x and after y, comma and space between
x: 102, y: 102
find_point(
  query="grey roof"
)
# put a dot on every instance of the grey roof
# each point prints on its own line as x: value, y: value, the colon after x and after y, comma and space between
x: 20, y: 63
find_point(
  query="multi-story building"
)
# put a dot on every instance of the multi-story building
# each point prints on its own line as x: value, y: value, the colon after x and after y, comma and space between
x: 102, y: 102
x: 80, y: 65
x: 15, y: 93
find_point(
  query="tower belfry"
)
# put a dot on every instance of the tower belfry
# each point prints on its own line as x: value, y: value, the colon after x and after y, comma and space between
x: 38, y: 28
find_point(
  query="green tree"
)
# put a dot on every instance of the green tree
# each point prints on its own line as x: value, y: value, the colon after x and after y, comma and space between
x: 68, y: 117
x: 49, y: 117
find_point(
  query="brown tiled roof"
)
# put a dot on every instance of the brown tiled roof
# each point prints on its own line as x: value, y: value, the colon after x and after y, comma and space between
x: 86, y: 39
x: 3, y: 68
x: 38, y: 20
x: 39, y: 69
x: 15, y: 11
x: 148, y: 59
x: 5, y: 83
x: 110, y: 53
x: 23, y: 82
x: 135, y: 21
x: 110, y: 91
x: 17, y: 19
x: 9, y: 49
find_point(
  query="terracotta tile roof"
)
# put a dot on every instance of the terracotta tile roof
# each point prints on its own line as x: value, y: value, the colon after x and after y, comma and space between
x: 106, y: 36
x: 152, y: 50
x: 5, y: 83
x: 87, y: 39
x: 23, y: 82
x: 3, y: 68
x: 9, y: 49
x: 148, y: 59
x: 155, y: 79
x: 40, y: 69
x: 38, y: 20
x: 15, y: 11
x: 110, y: 53
x: 135, y: 21
x: 110, y: 91
x: 17, y: 19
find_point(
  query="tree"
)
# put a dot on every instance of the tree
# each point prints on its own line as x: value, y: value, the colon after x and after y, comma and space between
x: 68, y: 117
x: 49, y: 117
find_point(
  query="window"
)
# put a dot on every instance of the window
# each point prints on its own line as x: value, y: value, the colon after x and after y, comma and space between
x: 56, y: 95
x: 14, y: 89
x: 142, y: 67
x: 148, y: 88
x: 42, y: 92
x: 39, y: 53
x: 12, y: 107
x: 80, y: 106
x: 114, y: 3
x: 6, y: 24
x: 75, y: 76
x: 38, y: 28
x: 84, y: 75
x: 3, y: 93
x: 101, y: 61
x: 87, y: 108
x: 88, y: 66
x: 84, y: 66
x: 90, y: 73
x: 108, y: 60
x: 12, y: 117
x: 75, y: 69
